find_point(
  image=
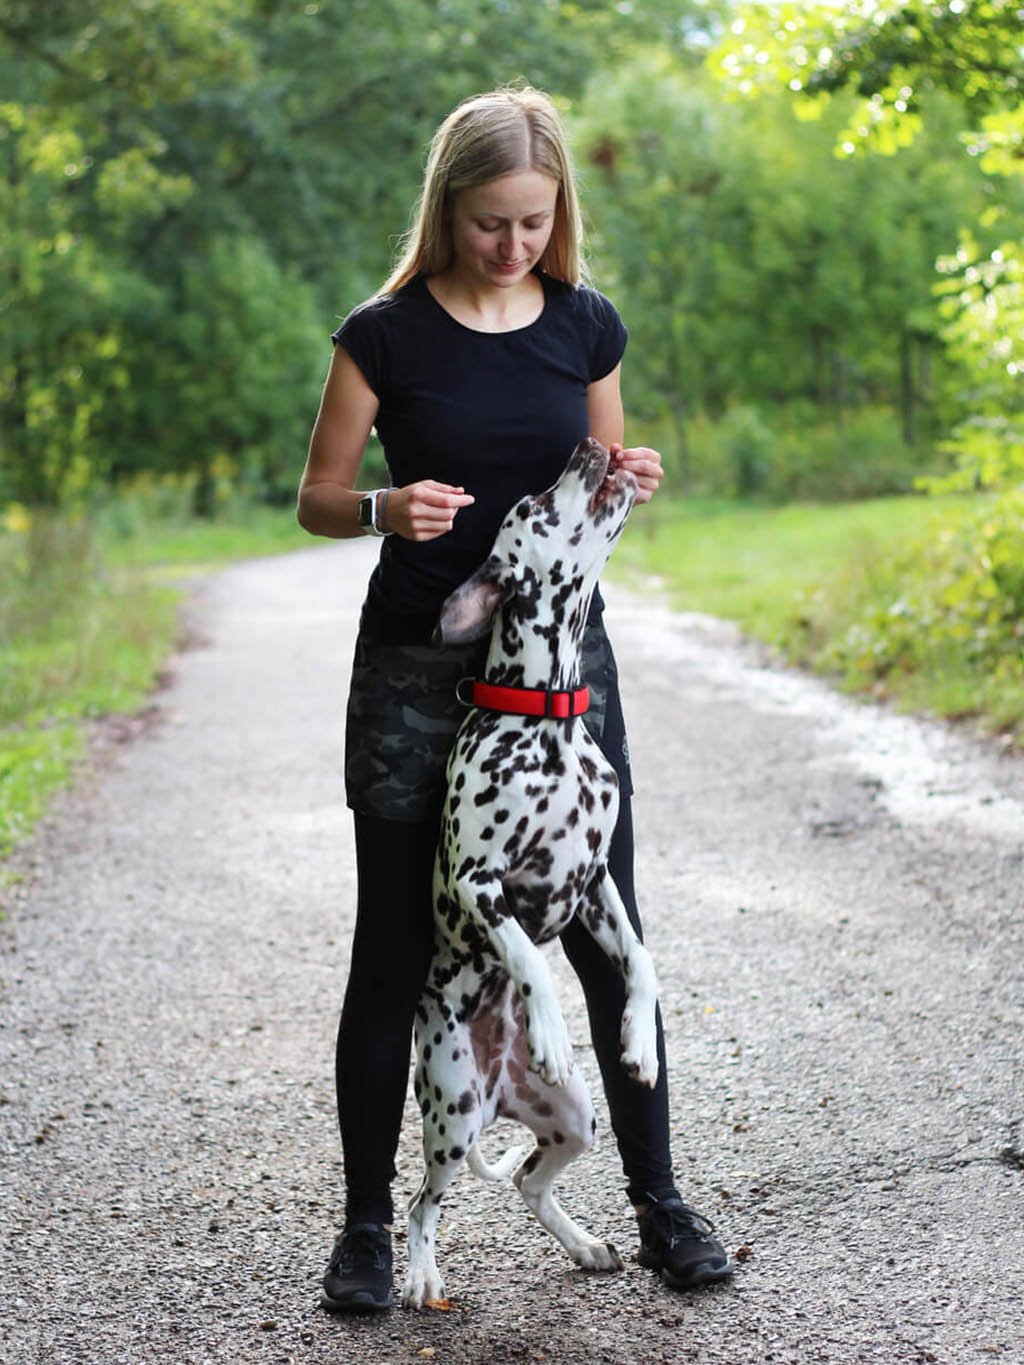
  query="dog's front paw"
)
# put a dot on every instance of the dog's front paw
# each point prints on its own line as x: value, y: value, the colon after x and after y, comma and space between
x: 549, y: 1043
x: 639, y: 1051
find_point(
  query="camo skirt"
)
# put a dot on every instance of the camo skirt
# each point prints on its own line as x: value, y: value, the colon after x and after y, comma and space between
x: 403, y: 714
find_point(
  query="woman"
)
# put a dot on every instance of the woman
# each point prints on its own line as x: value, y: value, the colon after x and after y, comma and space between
x: 481, y: 362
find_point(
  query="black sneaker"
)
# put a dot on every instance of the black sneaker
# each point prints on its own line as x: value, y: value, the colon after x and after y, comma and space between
x: 677, y: 1241
x: 358, y: 1276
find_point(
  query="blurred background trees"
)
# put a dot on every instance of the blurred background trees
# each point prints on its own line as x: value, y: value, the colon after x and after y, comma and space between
x: 193, y: 192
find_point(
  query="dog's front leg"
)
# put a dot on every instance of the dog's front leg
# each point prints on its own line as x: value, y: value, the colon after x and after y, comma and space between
x: 605, y: 916
x: 547, y: 1036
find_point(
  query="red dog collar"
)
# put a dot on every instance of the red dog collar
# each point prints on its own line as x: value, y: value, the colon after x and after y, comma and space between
x: 524, y: 701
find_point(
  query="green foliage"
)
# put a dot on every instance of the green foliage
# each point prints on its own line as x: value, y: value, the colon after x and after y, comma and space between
x: 788, y: 452
x: 75, y: 638
x: 193, y: 191
x: 35, y: 762
x: 149, y: 524
x: 956, y: 607
x: 754, y: 269
x: 76, y: 641
x: 984, y: 302
x: 893, y: 58
x: 887, y: 596
x: 769, y: 568
x: 946, y: 614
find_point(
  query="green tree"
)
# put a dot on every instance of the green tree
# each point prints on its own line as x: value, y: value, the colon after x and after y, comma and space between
x: 900, y: 61
x: 144, y: 144
x: 754, y: 268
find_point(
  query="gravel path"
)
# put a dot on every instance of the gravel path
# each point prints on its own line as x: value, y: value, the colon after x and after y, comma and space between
x: 833, y: 896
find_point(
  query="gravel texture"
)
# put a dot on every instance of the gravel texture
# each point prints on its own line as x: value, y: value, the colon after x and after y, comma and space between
x: 833, y: 897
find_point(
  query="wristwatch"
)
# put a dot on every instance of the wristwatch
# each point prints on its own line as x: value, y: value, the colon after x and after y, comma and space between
x: 366, y: 513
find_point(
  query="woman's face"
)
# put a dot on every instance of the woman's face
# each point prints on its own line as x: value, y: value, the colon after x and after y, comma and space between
x: 500, y: 229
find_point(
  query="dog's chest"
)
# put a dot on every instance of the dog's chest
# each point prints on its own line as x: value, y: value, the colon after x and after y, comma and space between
x: 535, y: 805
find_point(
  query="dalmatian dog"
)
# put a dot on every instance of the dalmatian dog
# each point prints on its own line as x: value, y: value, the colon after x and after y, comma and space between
x: 528, y: 818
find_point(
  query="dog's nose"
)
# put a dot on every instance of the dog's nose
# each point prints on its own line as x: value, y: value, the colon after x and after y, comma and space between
x: 592, y: 446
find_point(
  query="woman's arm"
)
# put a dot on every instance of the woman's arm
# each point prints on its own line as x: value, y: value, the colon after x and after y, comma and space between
x: 328, y: 499
x: 348, y: 409
x: 607, y: 423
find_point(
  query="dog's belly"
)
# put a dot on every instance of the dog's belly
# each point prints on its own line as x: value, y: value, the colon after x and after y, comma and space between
x: 497, y: 1037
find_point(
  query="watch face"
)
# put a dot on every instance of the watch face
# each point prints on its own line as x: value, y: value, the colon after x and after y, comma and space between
x: 365, y: 511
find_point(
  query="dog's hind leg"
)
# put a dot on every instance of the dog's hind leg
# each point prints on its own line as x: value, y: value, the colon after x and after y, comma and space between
x: 605, y: 916
x: 423, y: 1280
x: 563, y: 1121
x: 449, y: 1091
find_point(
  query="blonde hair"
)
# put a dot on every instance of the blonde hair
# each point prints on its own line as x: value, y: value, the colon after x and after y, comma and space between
x: 487, y: 136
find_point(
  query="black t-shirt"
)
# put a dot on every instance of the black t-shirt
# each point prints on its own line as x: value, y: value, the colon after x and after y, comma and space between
x: 498, y: 413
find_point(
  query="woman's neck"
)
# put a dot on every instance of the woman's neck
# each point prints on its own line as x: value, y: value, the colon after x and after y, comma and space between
x: 486, y: 308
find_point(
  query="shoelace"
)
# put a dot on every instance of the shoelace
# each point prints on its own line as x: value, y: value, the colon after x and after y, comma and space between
x: 360, y: 1247
x: 674, y: 1222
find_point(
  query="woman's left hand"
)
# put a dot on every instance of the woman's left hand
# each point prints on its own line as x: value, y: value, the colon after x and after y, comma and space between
x: 644, y: 464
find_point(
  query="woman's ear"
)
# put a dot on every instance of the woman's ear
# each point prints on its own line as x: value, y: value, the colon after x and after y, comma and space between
x: 467, y: 614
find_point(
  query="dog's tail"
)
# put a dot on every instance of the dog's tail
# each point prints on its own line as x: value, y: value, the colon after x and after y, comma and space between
x: 501, y: 1169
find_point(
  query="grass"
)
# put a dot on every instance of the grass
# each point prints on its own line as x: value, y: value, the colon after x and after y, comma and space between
x: 764, y: 566
x: 829, y: 585
x: 88, y: 616
x: 202, y: 545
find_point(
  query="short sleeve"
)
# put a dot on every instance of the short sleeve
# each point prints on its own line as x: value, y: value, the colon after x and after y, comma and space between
x: 608, y: 336
x: 364, y: 337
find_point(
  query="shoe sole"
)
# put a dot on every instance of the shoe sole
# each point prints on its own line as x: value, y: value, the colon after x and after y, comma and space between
x: 701, y: 1274
x: 361, y: 1301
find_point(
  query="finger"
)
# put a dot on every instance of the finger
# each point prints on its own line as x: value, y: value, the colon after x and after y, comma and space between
x: 435, y: 498
x: 434, y: 516
x: 452, y: 489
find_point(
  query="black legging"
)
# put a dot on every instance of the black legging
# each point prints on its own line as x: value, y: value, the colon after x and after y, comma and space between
x: 391, y: 954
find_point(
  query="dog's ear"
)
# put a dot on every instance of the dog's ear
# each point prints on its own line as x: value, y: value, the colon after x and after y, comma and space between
x: 468, y: 612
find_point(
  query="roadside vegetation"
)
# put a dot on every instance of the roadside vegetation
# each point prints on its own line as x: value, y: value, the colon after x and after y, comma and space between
x: 885, y: 597
x: 89, y: 613
x: 810, y: 215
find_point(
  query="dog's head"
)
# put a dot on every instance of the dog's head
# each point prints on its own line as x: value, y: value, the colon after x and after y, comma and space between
x: 549, y: 550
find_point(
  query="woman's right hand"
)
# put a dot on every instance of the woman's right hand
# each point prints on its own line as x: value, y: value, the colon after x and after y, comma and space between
x: 424, y: 510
